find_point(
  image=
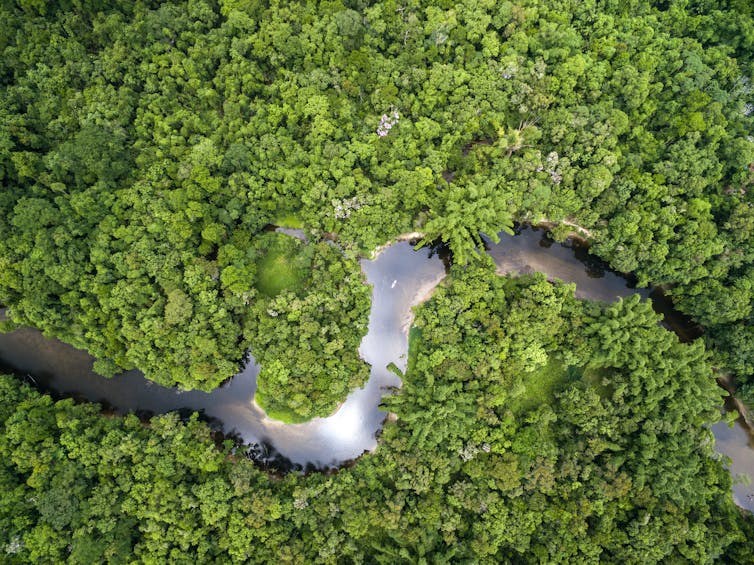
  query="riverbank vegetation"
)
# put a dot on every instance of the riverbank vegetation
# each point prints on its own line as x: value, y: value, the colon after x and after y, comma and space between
x: 306, y: 326
x: 145, y: 145
x: 481, y: 464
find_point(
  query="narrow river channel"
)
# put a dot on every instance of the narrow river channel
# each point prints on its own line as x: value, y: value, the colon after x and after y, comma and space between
x: 401, y: 278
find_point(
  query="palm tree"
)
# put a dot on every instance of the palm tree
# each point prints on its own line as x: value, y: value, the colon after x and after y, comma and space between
x: 462, y: 213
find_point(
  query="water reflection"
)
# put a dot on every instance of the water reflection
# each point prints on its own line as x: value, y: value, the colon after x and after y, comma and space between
x: 531, y: 250
x: 737, y: 443
x: 400, y: 278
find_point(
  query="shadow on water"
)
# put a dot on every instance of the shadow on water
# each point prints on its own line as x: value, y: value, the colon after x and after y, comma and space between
x: 441, y: 251
x: 682, y: 325
x: 400, y: 278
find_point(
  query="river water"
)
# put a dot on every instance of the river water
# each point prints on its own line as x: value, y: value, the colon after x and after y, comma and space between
x: 401, y: 278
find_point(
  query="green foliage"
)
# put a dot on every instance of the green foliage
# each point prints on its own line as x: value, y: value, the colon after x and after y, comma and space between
x: 143, y: 146
x: 486, y: 461
x: 463, y: 213
x: 282, y: 267
x: 554, y: 458
x: 305, y: 328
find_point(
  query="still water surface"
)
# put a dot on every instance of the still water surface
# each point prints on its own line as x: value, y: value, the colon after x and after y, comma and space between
x: 400, y: 278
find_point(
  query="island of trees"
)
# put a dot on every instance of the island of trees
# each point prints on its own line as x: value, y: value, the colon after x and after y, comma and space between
x: 144, y: 148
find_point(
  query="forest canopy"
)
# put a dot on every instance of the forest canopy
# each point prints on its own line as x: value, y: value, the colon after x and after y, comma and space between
x: 305, y: 327
x: 144, y: 145
x: 531, y: 427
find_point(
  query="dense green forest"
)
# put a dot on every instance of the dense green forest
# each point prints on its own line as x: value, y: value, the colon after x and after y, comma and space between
x: 145, y: 147
x: 307, y: 323
x: 531, y: 428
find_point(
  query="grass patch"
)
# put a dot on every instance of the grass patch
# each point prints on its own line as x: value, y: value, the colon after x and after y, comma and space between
x: 596, y: 377
x: 282, y: 267
x: 541, y: 386
x: 288, y: 220
x: 276, y: 274
x: 414, y: 345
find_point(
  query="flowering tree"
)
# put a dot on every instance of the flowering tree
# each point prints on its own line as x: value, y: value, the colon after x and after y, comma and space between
x: 387, y: 122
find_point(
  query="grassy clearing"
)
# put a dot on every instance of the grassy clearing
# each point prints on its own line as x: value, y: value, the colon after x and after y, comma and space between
x: 288, y: 220
x: 596, y: 376
x: 541, y: 386
x: 282, y: 267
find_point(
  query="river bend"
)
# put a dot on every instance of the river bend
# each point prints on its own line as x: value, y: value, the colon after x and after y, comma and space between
x: 400, y: 278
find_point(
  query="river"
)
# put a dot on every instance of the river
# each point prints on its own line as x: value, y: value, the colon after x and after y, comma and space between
x: 401, y: 278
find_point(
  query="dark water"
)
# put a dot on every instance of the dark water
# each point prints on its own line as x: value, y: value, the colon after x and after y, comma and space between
x: 531, y: 250
x: 400, y: 278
